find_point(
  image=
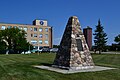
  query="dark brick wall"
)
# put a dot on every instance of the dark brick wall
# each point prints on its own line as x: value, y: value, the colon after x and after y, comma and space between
x: 88, y: 36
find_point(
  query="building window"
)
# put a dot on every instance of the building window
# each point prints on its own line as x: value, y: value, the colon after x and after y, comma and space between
x: 40, y: 41
x: 33, y: 42
x: 40, y: 29
x: 35, y: 35
x: 46, y: 41
x: 14, y: 26
x: 35, y: 29
x: 46, y: 36
x: 20, y: 27
x: 9, y: 27
x: 31, y: 29
x: 25, y: 29
x: 3, y: 28
x: 31, y: 35
x: 46, y: 29
x: 40, y: 36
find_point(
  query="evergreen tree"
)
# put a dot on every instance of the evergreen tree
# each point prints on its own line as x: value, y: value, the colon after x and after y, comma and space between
x: 100, y: 38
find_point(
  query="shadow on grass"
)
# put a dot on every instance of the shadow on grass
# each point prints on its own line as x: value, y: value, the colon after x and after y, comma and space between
x: 46, y: 64
x: 54, y: 66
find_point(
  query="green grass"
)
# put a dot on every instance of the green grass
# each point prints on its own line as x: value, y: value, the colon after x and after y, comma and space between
x: 20, y: 67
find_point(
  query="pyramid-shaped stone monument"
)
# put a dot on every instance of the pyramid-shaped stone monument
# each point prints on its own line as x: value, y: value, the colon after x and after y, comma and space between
x: 73, y: 53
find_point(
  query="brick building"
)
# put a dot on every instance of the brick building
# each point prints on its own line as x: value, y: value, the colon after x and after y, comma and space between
x: 88, y: 36
x: 39, y: 34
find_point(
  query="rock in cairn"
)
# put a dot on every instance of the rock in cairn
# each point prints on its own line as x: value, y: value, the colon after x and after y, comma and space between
x: 73, y: 53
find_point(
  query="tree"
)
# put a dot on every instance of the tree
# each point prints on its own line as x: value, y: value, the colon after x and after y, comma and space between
x: 117, y: 39
x: 56, y: 46
x: 3, y: 45
x: 100, y: 38
x: 15, y: 40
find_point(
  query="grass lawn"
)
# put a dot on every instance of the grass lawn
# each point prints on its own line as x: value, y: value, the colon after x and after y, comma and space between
x: 20, y: 67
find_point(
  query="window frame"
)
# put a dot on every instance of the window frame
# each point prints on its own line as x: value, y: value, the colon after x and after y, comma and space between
x: 40, y: 29
x: 41, y: 36
x: 40, y: 42
x: 3, y: 28
x: 46, y: 42
x: 46, y: 29
x: 35, y: 29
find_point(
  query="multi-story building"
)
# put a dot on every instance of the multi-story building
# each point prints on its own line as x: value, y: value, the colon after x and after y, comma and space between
x: 39, y: 34
x: 88, y: 36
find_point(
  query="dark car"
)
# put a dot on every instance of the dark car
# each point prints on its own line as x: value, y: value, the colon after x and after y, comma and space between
x: 45, y: 50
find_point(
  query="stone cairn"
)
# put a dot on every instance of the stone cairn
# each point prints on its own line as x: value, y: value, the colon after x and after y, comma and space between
x: 73, y: 53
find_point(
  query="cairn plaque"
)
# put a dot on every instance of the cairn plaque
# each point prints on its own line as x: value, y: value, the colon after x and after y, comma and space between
x: 73, y: 53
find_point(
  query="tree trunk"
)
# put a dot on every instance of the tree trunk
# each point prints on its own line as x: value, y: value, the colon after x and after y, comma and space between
x: 7, y: 52
x: 99, y: 51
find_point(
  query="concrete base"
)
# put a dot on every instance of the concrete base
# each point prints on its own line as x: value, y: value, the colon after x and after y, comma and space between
x: 64, y: 71
x: 73, y: 68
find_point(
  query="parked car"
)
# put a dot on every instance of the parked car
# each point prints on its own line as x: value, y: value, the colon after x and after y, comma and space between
x: 27, y: 52
x: 54, y: 50
x: 45, y: 50
x: 38, y: 51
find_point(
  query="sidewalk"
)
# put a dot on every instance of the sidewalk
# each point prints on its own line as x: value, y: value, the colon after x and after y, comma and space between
x: 109, y: 52
x: 96, y: 68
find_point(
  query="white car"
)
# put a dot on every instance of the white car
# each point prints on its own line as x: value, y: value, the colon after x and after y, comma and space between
x: 54, y: 50
x: 27, y: 52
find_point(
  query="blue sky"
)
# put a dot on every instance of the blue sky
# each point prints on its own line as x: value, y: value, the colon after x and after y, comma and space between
x: 57, y: 13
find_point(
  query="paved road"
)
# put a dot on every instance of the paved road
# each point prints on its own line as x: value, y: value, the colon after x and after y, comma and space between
x: 108, y: 52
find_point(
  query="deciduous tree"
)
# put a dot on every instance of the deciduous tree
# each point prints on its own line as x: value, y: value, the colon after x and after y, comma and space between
x: 15, y: 40
x: 117, y: 39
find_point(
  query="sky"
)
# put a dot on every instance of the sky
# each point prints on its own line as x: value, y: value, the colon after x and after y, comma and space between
x: 57, y: 13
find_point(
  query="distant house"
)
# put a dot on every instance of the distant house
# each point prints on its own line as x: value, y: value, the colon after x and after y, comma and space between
x: 115, y: 47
